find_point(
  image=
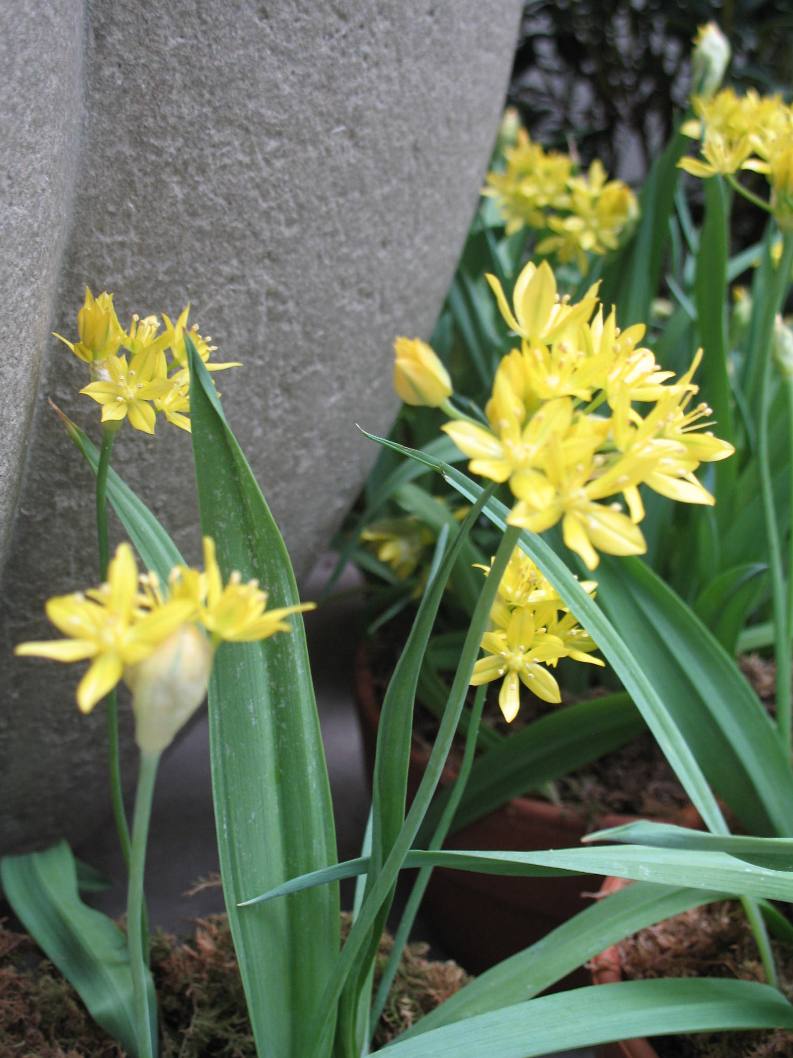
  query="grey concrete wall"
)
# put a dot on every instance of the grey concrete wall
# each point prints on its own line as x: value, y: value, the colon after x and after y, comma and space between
x: 304, y: 174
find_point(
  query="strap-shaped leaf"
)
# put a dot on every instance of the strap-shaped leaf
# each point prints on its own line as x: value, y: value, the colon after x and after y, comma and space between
x: 692, y: 868
x: 564, y: 949
x: 270, y: 784
x: 714, y: 707
x: 774, y: 853
x: 601, y: 1013
x: 87, y: 947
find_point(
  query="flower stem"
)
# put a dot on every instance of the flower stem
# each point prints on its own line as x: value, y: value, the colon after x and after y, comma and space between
x: 144, y: 1021
x: 111, y: 702
x: 750, y: 196
x: 789, y: 394
x: 779, y: 591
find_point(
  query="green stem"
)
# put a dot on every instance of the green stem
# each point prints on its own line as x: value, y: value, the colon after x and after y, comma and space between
x: 454, y: 413
x: 436, y: 842
x: 750, y: 196
x: 779, y: 591
x: 111, y: 701
x: 789, y: 394
x: 145, y: 1024
x: 754, y: 917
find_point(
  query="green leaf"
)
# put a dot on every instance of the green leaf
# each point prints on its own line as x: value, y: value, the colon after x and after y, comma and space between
x: 774, y: 853
x: 543, y: 751
x: 726, y: 603
x: 601, y: 1013
x: 612, y: 644
x: 719, y: 715
x: 529, y: 972
x: 85, y: 945
x: 270, y: 785
x: 696, y: 869
x: 156, y: 548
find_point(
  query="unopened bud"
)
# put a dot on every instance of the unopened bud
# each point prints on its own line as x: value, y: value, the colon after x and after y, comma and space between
x: 783, y: 348
x: 741, y: 314
x: 419, y: 376
x: 709, y: 60
x: 168, y: 687
x: 508, y: 130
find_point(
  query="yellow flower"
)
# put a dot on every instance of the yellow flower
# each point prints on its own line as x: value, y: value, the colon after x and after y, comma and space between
x: 400, y: 543
x: 514, y: 654
x: 539, y: 314
x: 108, y: 626
x: 127, y: 389
x: 534, y: 180
x: 235, y: 612
x: 176, y: 332
x: 420, y: 378
x: 97, y: 325
x: 600, y: 210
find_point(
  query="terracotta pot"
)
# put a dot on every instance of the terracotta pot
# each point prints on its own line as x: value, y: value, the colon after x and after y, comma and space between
x: 481, y: 919
x: 605, y: 969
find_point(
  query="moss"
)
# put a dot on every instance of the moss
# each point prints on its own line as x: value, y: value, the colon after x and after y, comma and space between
x: 202, y: 1006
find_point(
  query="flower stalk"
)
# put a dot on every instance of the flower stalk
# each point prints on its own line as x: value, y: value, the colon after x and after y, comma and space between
x: 145, y: 1022
x: 779, y: 590
x: 111, y: 701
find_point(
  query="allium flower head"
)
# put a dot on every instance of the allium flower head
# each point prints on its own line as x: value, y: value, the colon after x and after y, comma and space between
x: 532, y: 629
x: 160, y: 642
x: 563, y: 430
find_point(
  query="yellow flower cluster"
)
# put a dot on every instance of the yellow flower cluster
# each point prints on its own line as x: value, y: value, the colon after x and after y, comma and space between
x: 148, y: 381
x: 563, y: 430
x: 749, y: 132
x: 160, y: 644
x: 531, y: 628
x: 399, y: 543
x: 585, y: 213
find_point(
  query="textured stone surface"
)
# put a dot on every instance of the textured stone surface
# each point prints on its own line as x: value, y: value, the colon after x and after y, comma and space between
x: 39, y: 131
x: 305, y: 175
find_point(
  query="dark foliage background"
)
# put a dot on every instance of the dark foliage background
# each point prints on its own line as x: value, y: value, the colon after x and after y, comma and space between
x: 605, y: 76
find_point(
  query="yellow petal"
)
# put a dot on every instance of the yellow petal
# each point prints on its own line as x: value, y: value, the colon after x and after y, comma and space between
x: 474, y: 441
x: 535, y: 300
x: 58, y: 650
x: 540, y: 682
x: 141, y: 416
x: 122, y: 576
x: 101, y: 678
x: 503, y: 304
x: 613, y: 532
x: 509, y: 696
x: 576, y: 538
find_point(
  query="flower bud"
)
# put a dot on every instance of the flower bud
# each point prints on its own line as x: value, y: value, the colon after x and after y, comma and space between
x: 508, y: 130
x: 741, y: 314
x: 419, y: 376
x: 783, y: 348
x: 168, y: 686
x: 709, y: 60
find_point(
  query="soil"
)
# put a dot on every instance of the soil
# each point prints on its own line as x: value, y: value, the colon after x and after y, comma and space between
x: 711, y: 941
x: 202, y: 1006
x: 634, y: 780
